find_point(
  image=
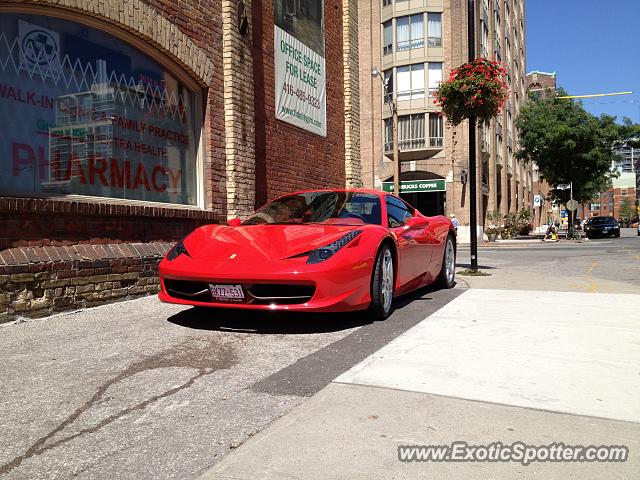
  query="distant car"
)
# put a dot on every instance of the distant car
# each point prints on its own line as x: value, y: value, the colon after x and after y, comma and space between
x: 325, y: 251
x: 602, y: 227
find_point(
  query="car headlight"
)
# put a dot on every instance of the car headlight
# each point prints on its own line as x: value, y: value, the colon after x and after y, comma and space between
x: 177, y: 250
x: 324, y: 253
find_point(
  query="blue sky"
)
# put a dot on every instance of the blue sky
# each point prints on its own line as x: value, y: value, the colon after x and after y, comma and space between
x: 593, y: 46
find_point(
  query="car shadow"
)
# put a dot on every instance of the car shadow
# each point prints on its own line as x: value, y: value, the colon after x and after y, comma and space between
x: 266, y: 322
x: 421, y: 294
x: 279, y: 322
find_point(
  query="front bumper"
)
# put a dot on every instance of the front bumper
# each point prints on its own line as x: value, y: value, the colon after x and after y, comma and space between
x: 328, y: 287
x: 602, y: 233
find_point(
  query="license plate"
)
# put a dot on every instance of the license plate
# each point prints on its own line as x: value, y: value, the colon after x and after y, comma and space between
x: 226, y: 293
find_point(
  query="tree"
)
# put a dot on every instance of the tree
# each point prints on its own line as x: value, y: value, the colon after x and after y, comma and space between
x: 568, y: 144
x: 627, y: 211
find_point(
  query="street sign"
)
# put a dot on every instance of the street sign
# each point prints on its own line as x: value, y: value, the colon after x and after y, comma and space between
x: 563, y: 186
x: 572, y: 205
x: 414, y: 186
x: 537, y: 200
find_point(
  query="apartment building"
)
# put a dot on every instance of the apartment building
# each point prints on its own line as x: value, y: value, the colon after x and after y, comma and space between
x: 629, y: 157
x: 415, y: 44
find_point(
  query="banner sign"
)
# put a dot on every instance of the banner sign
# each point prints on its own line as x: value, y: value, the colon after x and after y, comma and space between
x: 416, y: 186
x: 300, y: 77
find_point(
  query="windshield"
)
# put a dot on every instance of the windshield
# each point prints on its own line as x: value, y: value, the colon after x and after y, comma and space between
x: 340, y: 208
x: 603, y: 221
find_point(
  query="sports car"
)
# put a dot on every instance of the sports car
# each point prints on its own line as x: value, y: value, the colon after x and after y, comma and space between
x: 323, y: 250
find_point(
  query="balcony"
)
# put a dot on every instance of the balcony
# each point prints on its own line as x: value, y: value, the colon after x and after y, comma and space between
x: 420, y: 135
x: 436, y: 142
x: 416, y: 148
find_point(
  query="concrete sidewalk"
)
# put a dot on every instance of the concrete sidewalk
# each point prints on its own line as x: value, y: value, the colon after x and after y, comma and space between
x: 490, y: 366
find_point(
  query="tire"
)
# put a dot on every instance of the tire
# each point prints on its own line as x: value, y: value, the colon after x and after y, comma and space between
x: 618, y: 234
x: 382, y: 281
x: 447, y: 275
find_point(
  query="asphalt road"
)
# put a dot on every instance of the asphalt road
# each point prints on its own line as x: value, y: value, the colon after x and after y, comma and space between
x: 141, y: 389
x: 607, y: 265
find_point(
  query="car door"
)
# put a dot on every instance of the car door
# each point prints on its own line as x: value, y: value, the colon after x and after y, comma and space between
x: 411, y: 237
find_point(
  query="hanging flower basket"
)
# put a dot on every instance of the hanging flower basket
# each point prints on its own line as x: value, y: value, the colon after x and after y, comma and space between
x: 475, y: 88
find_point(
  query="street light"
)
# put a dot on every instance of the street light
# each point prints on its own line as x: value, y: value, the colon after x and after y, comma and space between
x: 473, y: 198
x: 571, y: 204
x: 394, y: 115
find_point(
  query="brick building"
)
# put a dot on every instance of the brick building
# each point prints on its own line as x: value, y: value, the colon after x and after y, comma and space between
x: 541, y: 85
x: 415, y: 44
x: 125, y: 124
x: 610, y: 202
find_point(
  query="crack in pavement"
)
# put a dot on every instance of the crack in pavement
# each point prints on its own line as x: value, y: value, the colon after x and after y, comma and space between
x: 206, y: 355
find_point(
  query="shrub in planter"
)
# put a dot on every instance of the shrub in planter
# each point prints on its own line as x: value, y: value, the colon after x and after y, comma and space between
x: 494, y: 218
x: 492, y: 233
x: 524, y: 221
x: 476, y: 88
x: 510, y: 225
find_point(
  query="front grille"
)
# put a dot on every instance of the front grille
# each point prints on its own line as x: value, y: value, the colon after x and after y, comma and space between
x: 188, y: 290
x: 280, y: 293
x: 257, y: 294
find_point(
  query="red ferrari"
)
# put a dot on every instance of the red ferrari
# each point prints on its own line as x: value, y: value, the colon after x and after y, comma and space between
x: 324, y: 250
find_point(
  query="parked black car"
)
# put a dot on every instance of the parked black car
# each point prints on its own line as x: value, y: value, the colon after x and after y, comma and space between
x: 602, y: 227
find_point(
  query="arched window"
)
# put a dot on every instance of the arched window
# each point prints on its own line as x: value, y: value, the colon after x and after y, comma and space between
x: 83, y: 112
x: 535, y: 90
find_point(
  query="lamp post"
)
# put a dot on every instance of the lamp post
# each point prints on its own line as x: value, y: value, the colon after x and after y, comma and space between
x: 394, y: 116
x: 571, y: 204
x: 473, y: 214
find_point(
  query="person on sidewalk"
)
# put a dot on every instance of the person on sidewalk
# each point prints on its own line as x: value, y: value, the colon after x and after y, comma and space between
x: 553, y: 231
x: 454, y: 221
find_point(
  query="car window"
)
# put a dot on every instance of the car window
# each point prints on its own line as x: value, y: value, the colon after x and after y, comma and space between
x: 603, y: 221
x: 397, y: 212
x: 325, y: 206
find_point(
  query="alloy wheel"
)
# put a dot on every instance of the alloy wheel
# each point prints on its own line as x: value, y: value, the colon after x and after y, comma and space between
x: 450, y: 261
x: 386, y: 289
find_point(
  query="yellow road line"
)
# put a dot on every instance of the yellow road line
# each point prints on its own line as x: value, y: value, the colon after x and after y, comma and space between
x: 593, y: 265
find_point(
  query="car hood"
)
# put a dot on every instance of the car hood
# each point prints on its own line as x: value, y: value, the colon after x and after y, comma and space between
x: 260, y: 243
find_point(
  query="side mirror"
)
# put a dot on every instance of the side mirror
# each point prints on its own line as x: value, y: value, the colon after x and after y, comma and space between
x: 416, y: 221
x: 234, y: 222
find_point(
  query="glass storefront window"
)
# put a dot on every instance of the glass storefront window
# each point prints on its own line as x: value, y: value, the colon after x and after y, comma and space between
x: 84, y: 113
